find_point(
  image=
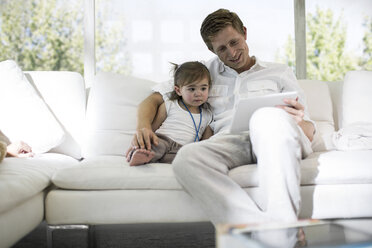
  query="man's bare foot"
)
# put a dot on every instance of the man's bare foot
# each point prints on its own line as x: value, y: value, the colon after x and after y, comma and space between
x: 141, y: 156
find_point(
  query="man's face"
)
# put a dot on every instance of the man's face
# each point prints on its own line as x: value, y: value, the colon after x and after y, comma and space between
x: 231, y: 47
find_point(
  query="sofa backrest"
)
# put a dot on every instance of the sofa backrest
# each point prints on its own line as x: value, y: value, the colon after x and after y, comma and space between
x: 356, y: 99
x: 111, y: 113
x: 114, y: 98
x: 324, y: 101
x: 64, y: 94
x: 336, y: 91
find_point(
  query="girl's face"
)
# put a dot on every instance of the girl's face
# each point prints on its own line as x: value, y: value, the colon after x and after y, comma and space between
x: 195, y: 93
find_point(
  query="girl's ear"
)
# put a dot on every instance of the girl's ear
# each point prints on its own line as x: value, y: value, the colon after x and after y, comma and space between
x: 177, y: 90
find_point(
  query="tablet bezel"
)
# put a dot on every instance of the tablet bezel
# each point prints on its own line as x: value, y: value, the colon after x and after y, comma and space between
x: 247, y: 106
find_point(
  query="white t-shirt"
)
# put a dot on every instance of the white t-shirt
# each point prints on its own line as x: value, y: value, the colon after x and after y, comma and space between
x: 228, y: 86
x: 179, y: 125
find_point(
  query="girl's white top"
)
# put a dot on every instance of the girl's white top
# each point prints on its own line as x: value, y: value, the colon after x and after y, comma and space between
x: 179, y: 126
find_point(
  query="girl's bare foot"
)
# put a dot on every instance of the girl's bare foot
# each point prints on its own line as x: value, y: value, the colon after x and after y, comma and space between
x: 141, y: 156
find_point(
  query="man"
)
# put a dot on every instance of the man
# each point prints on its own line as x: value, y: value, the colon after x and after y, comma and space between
x: 277, y: 139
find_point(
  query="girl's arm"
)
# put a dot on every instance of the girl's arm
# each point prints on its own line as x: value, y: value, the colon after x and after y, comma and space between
x: 208, y: 132
x: 159, y: 118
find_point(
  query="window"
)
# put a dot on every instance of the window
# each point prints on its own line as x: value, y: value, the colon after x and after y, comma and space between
x: 151, y: 33
x: 42, y: 35
x: 338, y: 38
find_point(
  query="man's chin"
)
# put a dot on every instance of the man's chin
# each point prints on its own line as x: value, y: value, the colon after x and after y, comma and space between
x: 236, y: 67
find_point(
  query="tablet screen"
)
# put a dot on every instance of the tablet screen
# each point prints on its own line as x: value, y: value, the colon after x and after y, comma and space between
x: 247, y: 106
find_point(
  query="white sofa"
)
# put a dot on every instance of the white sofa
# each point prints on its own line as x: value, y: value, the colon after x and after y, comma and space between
x: 103, y: 189
x: 24, y: 182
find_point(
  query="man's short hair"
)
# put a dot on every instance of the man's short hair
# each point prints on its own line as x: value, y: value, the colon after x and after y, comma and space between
x: 217, y: 21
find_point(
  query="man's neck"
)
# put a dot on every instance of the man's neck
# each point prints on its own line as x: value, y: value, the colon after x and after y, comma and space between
x: 248, y: 66
x: 251, y: 62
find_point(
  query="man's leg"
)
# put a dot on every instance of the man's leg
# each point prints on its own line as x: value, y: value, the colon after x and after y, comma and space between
x: 276, y: 141
x: 202, y: 168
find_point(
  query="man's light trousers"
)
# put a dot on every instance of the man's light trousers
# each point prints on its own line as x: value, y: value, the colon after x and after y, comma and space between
x: 274, y: 142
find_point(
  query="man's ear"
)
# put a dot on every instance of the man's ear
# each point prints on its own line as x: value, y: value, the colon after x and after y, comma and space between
x: 177, y: 90
x: 245, y: 32
x: 211, y: 49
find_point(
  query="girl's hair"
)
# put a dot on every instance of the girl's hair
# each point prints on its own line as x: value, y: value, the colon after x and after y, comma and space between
x: 188, y: 73
x: 217, y: 21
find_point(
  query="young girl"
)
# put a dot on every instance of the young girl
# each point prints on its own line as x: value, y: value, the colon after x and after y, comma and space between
x: 182, y: 119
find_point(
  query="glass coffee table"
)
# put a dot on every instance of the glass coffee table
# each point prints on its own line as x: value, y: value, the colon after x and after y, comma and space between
x: 304, y: 233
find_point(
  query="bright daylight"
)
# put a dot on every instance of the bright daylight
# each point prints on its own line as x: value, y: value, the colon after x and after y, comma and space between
x: 211, y: 124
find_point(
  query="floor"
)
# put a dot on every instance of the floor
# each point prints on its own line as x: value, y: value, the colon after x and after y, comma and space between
x: 179, y: 235
x: 193, y: 235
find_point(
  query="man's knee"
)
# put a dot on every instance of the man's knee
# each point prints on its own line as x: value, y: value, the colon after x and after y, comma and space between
x: 270, y: 119
x: 183, y: 158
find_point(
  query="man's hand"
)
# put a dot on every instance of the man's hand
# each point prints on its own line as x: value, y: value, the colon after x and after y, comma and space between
x: 143, y: 140
x: 297, y: 110
x: 19, y: 149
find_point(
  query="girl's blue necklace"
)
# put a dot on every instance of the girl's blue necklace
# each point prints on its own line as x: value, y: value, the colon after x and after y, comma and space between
x: 196, y: 129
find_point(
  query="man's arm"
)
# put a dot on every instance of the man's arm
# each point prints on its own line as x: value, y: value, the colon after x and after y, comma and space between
x: 208, y: 132
x: 160, y: 117
x: 297, y: 111
x: 145, y: 115
x: 308, y: 129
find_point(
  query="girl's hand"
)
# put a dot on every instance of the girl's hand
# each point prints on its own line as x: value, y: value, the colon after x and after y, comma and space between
x: 19, y: 149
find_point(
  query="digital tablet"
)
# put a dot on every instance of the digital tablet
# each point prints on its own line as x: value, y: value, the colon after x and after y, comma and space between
x: 247, y: 106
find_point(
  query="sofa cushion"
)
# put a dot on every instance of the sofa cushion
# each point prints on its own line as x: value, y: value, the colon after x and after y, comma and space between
x: 356, y: 136
x: 96, y: 207
x: 111, y: 113
x: 320, y: 109
x: 20, y: 220
x: 356, y: 98
x: 22, y: 178
x: 114, y: 172
x: 333, y: 167
x: 24, y: 115
x: 64, y: 93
